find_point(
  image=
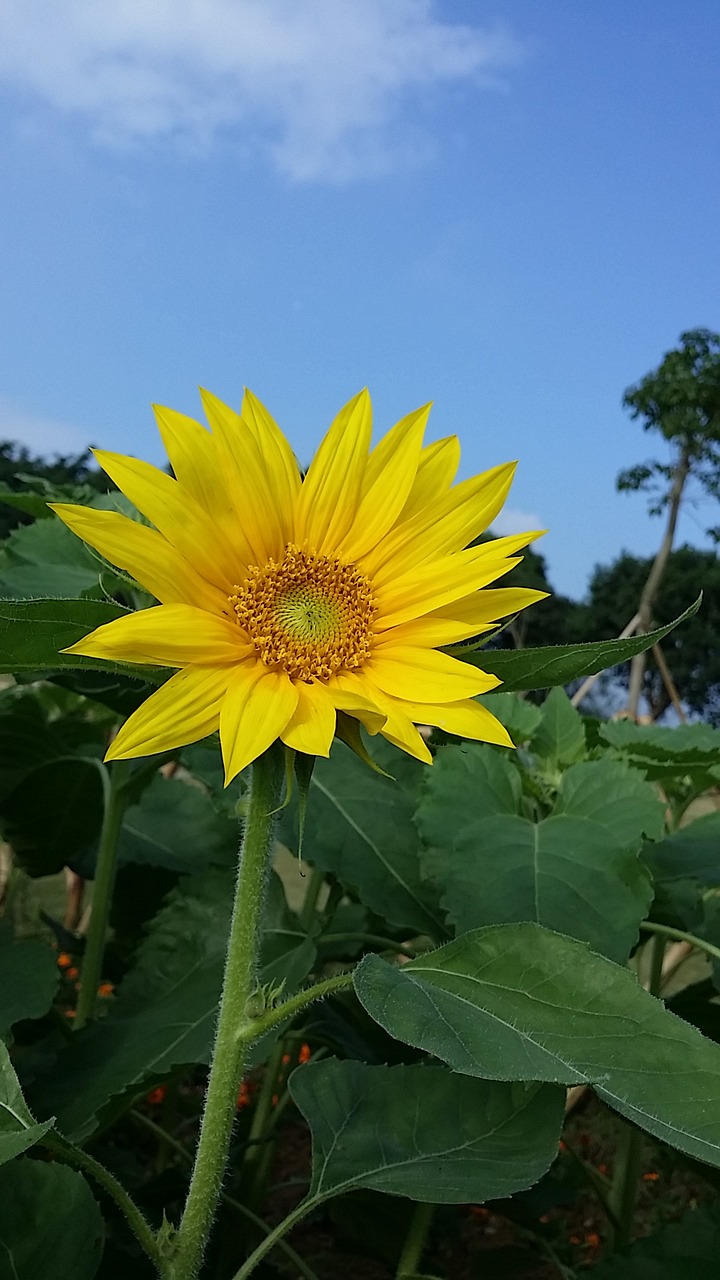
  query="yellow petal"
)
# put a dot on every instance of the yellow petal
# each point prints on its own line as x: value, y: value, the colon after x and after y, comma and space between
x: 185, y: 709
x: 143, y: 552
x: 177, y: 515
x: 312, y: 726
x: 171, y: 635
x: 280, y: 462
x: 354, y: 694
x: 425, y: 675
x: 466, y: 719
x: 446, y: 526
x: 331, y: 489
x: 471, y: 616
x: 436, y: 471
x: 257, y: 709
x: 263, y: 526
x: 400, y: 730
x: 191, y: 451
x: 389, y: 477
x: 437, y: 583
x: 430, y: 631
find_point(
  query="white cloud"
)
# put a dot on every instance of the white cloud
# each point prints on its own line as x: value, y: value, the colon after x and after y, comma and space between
x: 512, y: 520
x: 319, y: 85
x: 44, y: 436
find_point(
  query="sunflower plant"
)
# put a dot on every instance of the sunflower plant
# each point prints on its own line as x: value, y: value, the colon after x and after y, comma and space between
x: 476, y: 916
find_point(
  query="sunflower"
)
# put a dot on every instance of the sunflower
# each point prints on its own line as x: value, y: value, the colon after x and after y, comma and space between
x: 288, y: 599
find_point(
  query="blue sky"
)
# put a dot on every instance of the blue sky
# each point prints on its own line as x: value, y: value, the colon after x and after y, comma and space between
x: 509, y: 208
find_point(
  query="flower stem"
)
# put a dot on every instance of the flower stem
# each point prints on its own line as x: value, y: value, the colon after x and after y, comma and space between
x: 91, y: 970
x: 415, y: 1241
x: 235, y: 1027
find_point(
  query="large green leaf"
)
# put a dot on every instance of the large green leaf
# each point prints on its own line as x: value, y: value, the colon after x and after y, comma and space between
x: 33, y: 632
x: 425, y: 1132
x: 577, y: 871
x: 46, y: 559
x: 175, y: 825
x: 26, y: 738
x: 692, y: 853
x: 166, y: 1008
x: 559, y: 664
x: 28, y: 979
x: 50, y: 1225
x: 18, y: 1129
x: 519, y: 1002
x: 53, y: 818
x: 359, y: 828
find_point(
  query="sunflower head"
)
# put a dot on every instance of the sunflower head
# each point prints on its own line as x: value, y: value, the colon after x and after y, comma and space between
x: 286, y: 601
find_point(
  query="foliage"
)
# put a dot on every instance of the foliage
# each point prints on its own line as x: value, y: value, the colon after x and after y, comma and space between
x: 460, y: 944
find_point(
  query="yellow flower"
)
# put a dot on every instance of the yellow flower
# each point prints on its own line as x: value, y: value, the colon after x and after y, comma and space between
x: 284, y: 600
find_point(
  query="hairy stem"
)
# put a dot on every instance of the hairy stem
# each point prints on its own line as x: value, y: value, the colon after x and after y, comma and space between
x: 236, y: 1027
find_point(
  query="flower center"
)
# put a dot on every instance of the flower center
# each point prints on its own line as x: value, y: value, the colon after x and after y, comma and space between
x: 310, y: 615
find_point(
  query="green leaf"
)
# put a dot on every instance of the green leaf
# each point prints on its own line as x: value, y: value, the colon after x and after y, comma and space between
x: 559, y: 664
x: 28, y: 980
x: 26, y: 738
x: 692, y: 853
x: 425, y: 1132
x: 18, y: 1130
x: 685, y: 1250
x: 50, y: 1225
x: 577, y: 871
x: 46, y: 559
x: 53, y: 818
x: 520, y: 1002
x: 520, y: 717
x: 31, y: 503
x: 359, y: 828
x: 175, y: 825
x: 165, y: 1010
x: 692, y: 749
x: 560, y: 736
x: 32, y: 632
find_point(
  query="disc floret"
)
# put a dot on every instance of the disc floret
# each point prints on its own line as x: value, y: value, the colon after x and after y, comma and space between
x: 308, y: 615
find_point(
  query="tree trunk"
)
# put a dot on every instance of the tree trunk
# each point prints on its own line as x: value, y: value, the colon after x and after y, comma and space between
x: 654, y: 578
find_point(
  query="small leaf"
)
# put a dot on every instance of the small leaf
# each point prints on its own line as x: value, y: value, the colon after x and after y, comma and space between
x: 50, y: 1224
x: 520, y: 717
x: 520, y: 1002
x: 559, y: 664
x: 424, y: 1132
x: 18, y: 1130
x: 560, y: 736
x: 692, y: 853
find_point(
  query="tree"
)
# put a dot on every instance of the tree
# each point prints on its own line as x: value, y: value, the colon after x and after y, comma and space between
x: 681, y: 400
x: 551, y: 621
x: 691, y: 651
